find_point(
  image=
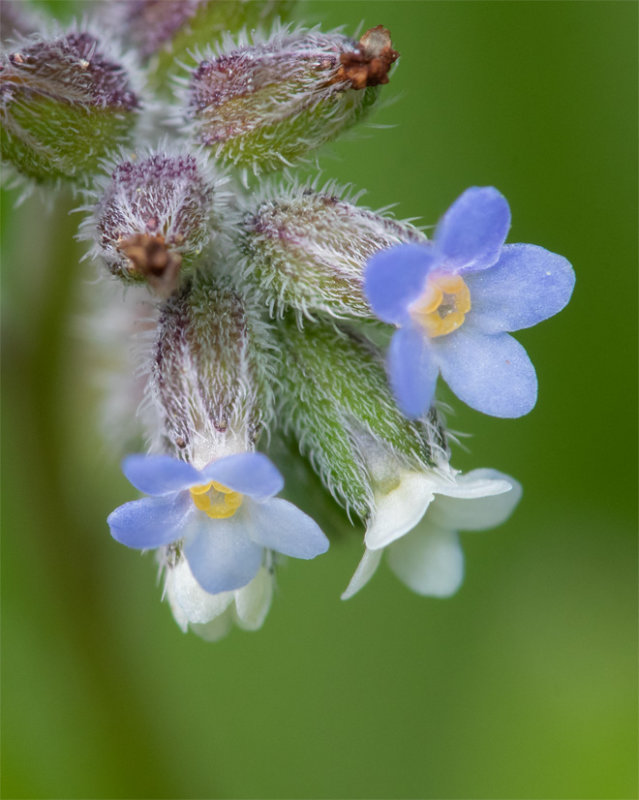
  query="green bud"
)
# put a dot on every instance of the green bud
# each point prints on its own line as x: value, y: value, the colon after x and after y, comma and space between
x: 334, y: 397
x: 166, y: 32
x: 209, y: 378
x: 307, y: 251
x: 265, y: 105
x: 64, y: 103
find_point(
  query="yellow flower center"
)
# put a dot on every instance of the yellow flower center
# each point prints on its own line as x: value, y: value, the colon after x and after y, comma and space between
x: 216, y: 500
x: 443, y: 305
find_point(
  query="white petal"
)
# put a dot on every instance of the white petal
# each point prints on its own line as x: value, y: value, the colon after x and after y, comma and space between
x: 486, y: 498
x: 253, y: 601
x: 364, y: 572
x: 215, y: 629
x: 197, y: 605
x: 429, y: 561
x: 176, y: 609
x: 399, y: 510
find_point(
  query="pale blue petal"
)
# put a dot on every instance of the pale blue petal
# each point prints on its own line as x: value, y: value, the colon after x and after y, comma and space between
x: 252, y: 474
x: 394, y: 278
x: 412, y: 370
x: 220, y: 552
x: 158, y: 475
x: 282, y: 526
x: 150, y: 522
x: 527, y: 285
x: 473, y: 230
x: 492, y: 374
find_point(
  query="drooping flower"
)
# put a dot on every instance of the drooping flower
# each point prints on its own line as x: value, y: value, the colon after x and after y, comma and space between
x: 455, y: 299
x: 221, y: 517
x: 211, y: 616
x: 418, y: 522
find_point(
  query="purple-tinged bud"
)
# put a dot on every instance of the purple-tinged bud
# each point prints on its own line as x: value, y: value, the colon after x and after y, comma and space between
x: 165, y: 32
x: 64, y: 104
x: 154, y: 218
x: 265, y: 105
x: 307, y: 250
x: 210, y: 379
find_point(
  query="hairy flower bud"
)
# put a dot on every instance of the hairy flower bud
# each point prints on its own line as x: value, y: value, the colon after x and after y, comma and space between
x: 307, y: 250
x: 209, y: 377
x: 154, y: 218
x: 334, y: 398
x: 264, y: 105
x: 167, y: 31
x: 64, y: 103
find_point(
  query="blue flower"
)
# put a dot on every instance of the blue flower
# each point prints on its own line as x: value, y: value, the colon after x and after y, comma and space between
x: 224, y: 515
x: 455, y: 298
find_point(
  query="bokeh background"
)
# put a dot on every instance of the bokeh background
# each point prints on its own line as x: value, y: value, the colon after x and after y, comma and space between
x: 523, y: 685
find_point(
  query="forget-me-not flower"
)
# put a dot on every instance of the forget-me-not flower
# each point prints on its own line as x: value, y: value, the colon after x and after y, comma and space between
x: 418, y: 520
x: 455, y: 298
x: 224, y: 515
x: 211, y: 616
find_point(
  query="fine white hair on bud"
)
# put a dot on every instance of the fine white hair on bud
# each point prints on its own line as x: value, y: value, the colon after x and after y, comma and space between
x: 306, y: 249
x: 211, y: 372
x: 66, y: 101
x: 154, y: 217
x: 165, y: 33
x: 117, y: 330
x: 17, y: 19
x: 333, y: 397
x: 266, y: 104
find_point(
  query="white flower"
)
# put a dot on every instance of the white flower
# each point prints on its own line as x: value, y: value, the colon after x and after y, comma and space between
x: 211, y: 616
x: 432, y: 507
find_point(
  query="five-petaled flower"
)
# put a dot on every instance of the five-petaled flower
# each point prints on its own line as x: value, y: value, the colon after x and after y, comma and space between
x: 418, y: 522
x: 211, y: 616
x: 223, y: 516
x: 455, y: 298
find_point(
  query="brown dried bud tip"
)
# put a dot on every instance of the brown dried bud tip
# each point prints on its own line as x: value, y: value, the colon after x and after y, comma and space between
x: 150, y: 258
x: 369, y: 65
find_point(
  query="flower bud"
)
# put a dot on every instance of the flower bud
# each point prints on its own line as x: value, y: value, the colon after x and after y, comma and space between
x: 64, y: 103
x: 154, y: 218
x: 165, y: 32
x: 209, y: 375
x: 334, y: 398
x: 264, y: 105
x: 307, y: 250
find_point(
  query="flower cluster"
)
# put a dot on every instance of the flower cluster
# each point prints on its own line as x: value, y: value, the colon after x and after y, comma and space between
x: 266, y: 297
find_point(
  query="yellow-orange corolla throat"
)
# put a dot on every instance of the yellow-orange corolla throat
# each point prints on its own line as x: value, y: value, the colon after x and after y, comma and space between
x: 442, y: 307
x: 217, y: 501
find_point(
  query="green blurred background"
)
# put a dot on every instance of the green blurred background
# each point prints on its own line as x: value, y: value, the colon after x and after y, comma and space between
x: 524, y: 684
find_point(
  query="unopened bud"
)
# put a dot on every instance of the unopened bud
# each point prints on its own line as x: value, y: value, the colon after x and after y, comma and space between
x: 64, y: 103
x: 209, y: 375
x: 266, y: 105
x: 166, y: 32
x: 154, y: 219
x: 308, y: 250
x: 334, y: 398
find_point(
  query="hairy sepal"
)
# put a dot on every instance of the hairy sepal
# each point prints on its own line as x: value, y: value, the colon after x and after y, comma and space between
x: 334, y: 397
